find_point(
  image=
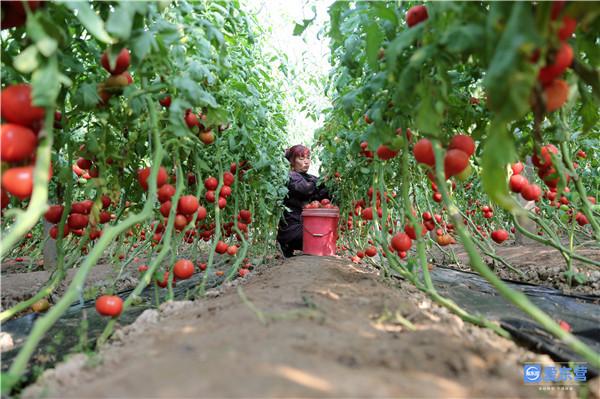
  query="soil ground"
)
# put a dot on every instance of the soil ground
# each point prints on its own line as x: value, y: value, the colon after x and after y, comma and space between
x: 17, y: 287
x: 303, y: 327
x: 540, y: 265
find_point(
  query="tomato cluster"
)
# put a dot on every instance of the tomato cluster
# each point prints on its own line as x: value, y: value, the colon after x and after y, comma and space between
x: 323, y: 204
x: 18, y: 142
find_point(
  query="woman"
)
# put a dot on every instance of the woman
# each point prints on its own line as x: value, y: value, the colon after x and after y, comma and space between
x: 302, y: 189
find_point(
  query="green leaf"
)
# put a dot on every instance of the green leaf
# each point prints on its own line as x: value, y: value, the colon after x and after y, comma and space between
x: 86, y: 95
x: 206, y: 98
x: 463, y: 38
x: 216, y: 116
x: 382, y: 11
x: 335, y: 16
x: 300, y: 28
x: 510, y: 76
x: 428, y: 117
x: 120, y: 21
x: 142, y: 44
x: 46, y: 84
x: 92, y: 22
x: 203, y: 165
x: 374, y: 39
x: 589, y: 110
x: 349, y: 101
x: 494, y: 174
x: 400, y: 43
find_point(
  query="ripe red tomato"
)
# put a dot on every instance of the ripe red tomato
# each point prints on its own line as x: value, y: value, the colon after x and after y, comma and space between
x: 455, y: 162
x: 191, y: 120
x: 562, y: 60
x: 207, y: 137
x: 83, y: 207
x: 84, y: 163
x: 95, y: 234
x: 221, y: 247
x: 243, y: 272
x: 423, y: 152
x: 429, y: 225
x: 556, y: 94
x: 367, y: 213
x: 412, y: 233
x: 104, y: 217
x: 165, y: 101
x: 165, y: 281
x: 109, y: 305
x: 16, y: 106
x: 581, y: 219
x: 165, y: 193
x: 187, y: 205
x: 544, y: 159
x: 161, y: 179
x: 499, y: 235
x: 202, y: 266
x: 437, y: 197
x: 18, y: 181
x: 54, y: 231
x: 180, y: 222
x: 165, y: 208
x: 232, y: 250
x: 77, y: 221
x: 222, y: 202
x: 401, y: 242
x: 242, y: 227
x: 415, y: 15
x: 384, y: 152
x: 245, y: 215
x: 54, y: 213
x: 122, y: 62
x: 371, y: 251
x: 225, y: 192
x: 17, y: 143
x: 462, y: 142
x: 517, y: 168
x: 517, y: 183
x: 228, y: 178
x: 531, y: 192
x: 211, y: 183
x: 142, y: 268
x: 183, y: 269
x: 210, y: 196
x: 201, y: 213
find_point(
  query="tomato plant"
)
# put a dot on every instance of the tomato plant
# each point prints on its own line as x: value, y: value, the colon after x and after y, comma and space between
x: 129, y: 105
x: 473, y: 110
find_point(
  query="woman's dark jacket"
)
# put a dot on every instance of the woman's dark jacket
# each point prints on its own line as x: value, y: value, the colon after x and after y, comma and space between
x: 302, y: 189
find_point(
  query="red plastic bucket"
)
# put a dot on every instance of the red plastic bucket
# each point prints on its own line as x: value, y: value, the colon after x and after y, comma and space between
x: 320, y: 231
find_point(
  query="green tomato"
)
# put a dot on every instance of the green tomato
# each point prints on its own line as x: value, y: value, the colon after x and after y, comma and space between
x: 464, y: 175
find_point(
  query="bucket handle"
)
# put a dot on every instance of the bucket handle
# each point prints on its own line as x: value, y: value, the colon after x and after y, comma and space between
x: 318, y: 234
